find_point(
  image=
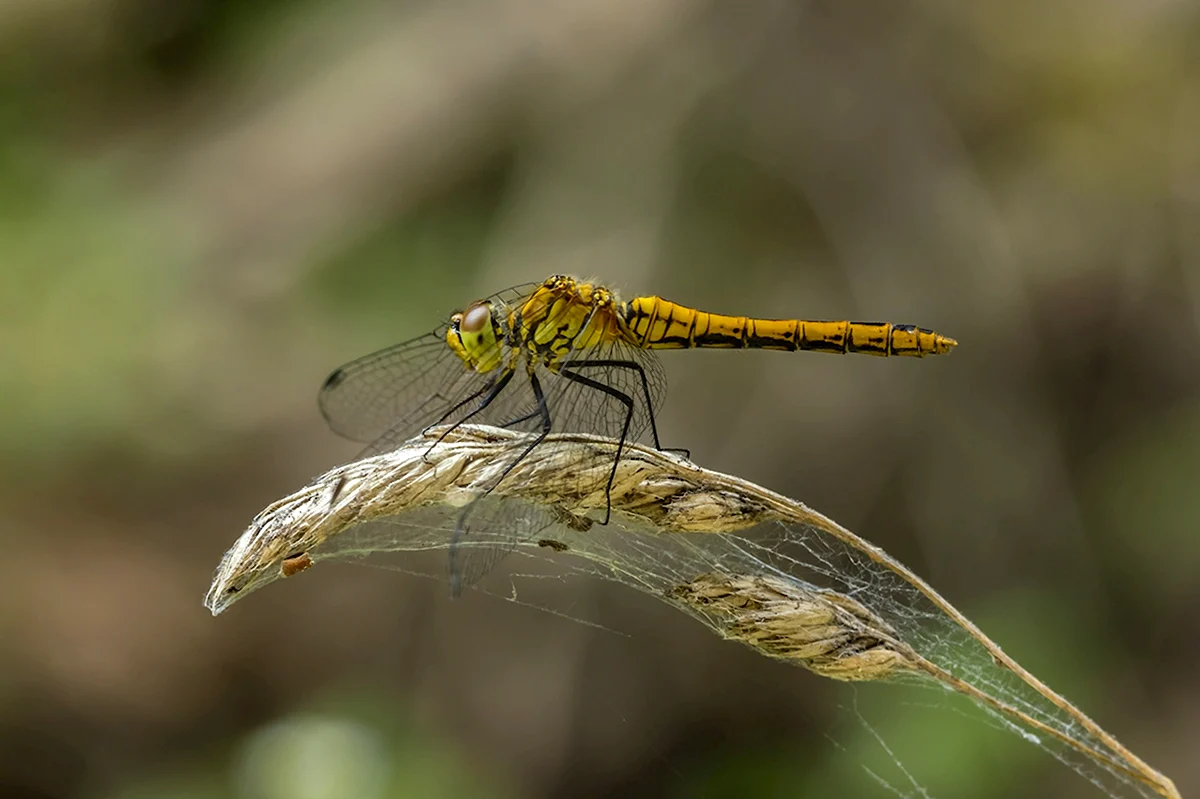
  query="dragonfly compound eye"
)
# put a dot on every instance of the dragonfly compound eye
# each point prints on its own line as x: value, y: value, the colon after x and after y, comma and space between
x: 477, y: 340
x: 476, y: 319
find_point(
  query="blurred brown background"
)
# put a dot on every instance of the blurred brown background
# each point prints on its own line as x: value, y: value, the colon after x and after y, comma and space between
x: 209, y: 205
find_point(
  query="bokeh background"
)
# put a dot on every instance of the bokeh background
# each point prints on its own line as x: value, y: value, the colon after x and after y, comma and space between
x: 207, y: 205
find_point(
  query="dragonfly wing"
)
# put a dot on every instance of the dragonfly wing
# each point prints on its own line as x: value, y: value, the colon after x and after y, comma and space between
x: 428, y: 528
x: 390, y: 395
x: 486, y: 531
x: 393, y: 387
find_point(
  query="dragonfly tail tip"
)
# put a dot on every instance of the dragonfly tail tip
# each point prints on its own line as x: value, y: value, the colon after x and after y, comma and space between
x: 944, y: 344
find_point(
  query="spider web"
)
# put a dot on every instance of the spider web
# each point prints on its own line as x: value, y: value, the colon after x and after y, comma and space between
x: 654, y: 563
x: 398, y: 502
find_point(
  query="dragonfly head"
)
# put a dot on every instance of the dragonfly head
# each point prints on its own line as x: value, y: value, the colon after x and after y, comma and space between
x: 476, y: 335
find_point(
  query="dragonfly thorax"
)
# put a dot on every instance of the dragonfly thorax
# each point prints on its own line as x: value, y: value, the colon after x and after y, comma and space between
x: 476, y: 336
x: 564, y: 317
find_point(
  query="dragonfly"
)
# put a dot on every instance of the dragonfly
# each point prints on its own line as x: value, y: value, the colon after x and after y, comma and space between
x: 563, y: 355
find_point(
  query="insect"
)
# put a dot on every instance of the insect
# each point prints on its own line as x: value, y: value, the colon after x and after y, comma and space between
x: 562, y: 355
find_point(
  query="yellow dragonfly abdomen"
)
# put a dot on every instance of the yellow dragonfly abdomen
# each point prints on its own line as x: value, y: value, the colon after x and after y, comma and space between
x: 655, y: 323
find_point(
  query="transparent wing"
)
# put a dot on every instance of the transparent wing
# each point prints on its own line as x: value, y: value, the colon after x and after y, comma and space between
x: 389, y: 396
x: 486, y: 531
x: 431, y: 527
x: 367, y: 397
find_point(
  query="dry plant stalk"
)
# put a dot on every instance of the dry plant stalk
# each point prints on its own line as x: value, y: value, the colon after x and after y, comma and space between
x: 825, y: 631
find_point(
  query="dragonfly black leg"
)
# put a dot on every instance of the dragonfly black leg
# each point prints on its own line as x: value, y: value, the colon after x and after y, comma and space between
x: 624, y: 399
x: 493, y: 390
x: 637, y: 367
x: 514, y: 422
x: 460, y: 527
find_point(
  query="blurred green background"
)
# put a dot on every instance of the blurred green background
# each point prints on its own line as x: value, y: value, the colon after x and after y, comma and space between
x: 208, y: 205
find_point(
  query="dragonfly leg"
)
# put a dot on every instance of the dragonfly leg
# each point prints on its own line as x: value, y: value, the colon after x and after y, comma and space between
x: 513, y: 422
x: 493, y: 389
x: 625, y: 400
x: 460, y: 527
x: 637, y: 367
